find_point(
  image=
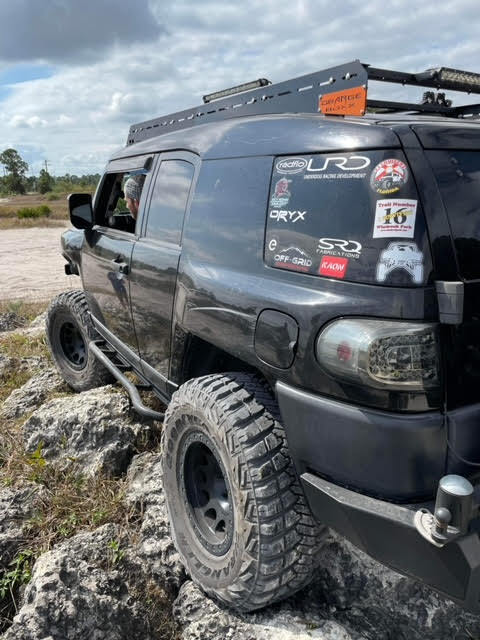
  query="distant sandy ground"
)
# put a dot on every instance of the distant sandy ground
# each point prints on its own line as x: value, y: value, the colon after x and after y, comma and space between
x: 31, y: 264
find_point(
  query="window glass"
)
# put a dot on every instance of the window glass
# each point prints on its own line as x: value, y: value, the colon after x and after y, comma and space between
x: 113, y: 209
x: 458, y: 177
x: 169, y: 200
x: 348, y: 215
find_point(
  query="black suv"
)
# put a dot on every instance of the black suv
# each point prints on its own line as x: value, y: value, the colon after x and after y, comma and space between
x: 301, y: 287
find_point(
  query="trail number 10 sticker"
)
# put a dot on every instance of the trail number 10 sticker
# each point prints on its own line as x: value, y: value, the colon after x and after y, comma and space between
x: 395, y: 218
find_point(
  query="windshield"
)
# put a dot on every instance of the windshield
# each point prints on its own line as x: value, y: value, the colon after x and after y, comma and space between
x: 458, y: 178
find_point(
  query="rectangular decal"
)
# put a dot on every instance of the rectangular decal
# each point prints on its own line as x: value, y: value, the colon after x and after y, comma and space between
x: 395, y: 218
x: 333, y: 267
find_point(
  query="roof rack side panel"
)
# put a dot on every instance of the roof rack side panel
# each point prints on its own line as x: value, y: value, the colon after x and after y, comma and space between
x: 299, y: 95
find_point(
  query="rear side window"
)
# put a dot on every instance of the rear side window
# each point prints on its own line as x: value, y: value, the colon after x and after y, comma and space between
x: 351, y: 216
x: 169, y: 200
x: 458, y: 178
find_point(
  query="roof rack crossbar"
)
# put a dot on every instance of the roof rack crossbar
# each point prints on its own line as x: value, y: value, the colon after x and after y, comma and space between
x: 303, y: 94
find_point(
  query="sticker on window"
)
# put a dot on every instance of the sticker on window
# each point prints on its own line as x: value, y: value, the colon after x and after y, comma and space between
x: 405, y: 256
x: 281, y: 194
x: 333, y: 267
x: 293, y: 258
x: 389, y: 176
x: 395, y: 218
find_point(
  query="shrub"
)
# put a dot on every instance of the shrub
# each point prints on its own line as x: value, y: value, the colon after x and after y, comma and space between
x: 34, y: 212
x: 53, y: 196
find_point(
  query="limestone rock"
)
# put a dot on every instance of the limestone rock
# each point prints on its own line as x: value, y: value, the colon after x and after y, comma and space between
x: 94, y: 429
x: 155, y: 549
x: 32, y: 394
x: 202, y: 618
x: 71, y: 597
x: 10, y: 321
x: 16, y: 505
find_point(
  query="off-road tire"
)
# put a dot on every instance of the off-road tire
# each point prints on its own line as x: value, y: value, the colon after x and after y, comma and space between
x: 275, y: 541
x: 70, y: 309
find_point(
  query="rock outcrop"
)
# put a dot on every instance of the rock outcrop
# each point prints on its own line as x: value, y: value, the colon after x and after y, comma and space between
x: 10, y: 321
x: 155, y: 548
x: 94, y: 429
x: 74, y: 594
x: 32, y: 394
x: 16, y: 505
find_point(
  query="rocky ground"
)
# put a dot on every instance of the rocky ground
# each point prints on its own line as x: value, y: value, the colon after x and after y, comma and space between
x: 85, y: 548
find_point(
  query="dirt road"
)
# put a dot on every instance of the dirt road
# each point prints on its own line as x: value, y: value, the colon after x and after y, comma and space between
x: 31, y: 264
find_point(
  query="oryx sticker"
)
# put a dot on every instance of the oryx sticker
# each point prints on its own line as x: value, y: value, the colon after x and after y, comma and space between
x: 339, y: 247
x: 283, y: 215
x: 395, y: 218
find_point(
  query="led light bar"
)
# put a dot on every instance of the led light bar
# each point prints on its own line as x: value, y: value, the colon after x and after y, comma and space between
x: 454, y: 79
x: 246, y: 86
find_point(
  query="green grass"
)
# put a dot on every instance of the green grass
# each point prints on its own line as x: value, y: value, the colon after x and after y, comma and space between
x: 27, y: 310
x: 34, y: 212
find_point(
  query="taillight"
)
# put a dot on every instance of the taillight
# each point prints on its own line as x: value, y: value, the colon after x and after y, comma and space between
x: 383, y: 354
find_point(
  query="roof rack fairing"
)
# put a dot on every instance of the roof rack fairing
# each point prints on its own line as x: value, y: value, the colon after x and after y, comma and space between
x: 340, y: 90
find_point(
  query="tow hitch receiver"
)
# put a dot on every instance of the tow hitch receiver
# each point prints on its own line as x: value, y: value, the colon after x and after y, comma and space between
x: 454, y: 508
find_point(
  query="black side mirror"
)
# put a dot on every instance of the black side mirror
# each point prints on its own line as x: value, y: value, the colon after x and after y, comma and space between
x: 81, y: 212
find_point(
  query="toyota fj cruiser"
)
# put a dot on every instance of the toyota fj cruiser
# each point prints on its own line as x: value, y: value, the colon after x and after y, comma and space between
x: 302, y: 289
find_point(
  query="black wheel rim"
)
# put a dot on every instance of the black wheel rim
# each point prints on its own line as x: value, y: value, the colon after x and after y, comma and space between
x: 73, y: 345
x: 207, y: 493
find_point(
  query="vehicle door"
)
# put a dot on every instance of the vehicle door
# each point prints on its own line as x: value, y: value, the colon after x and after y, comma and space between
x: 107, y: 251
x: 154, y: 262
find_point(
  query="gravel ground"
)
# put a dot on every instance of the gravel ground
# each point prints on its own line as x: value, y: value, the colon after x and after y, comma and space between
x: 31, y: 264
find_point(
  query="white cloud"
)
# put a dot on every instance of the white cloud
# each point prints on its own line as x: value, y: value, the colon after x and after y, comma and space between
x: 82, y: 112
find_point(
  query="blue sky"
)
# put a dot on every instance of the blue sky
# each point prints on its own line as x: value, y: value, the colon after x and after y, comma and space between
x: 75, y: 75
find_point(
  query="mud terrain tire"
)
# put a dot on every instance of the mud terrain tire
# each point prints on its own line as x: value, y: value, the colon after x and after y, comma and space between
x: 246, y: 538
x: 69, y: 330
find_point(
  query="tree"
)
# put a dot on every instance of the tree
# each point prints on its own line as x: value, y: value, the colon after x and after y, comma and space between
x: 45, y: 181
x: 16, y: 169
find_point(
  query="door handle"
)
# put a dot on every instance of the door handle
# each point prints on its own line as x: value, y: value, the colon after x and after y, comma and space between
x: 121, y: 267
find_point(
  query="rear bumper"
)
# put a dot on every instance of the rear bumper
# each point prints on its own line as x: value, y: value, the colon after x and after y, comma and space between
x: 400, y: 457
x: 387, y: 532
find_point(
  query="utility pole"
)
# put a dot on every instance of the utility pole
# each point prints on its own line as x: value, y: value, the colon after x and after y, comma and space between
x: 46, y: 165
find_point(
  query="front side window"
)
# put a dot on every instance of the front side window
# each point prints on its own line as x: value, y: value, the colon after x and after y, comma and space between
x: 169, y: 201
x: 119, y: 200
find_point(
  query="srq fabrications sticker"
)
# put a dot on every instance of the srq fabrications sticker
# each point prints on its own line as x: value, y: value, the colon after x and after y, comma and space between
x: 281, y: 194
x: 405, y: 256
x: 337, y: 168
x: 389, y: 176
x: 293, y: 258
x: 283, y: 215
x: 333, y: 267
x: 339, y: 248
x: 395, y: 218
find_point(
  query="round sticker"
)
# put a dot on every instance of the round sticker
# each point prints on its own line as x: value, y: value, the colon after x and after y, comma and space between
x: 389, y: 176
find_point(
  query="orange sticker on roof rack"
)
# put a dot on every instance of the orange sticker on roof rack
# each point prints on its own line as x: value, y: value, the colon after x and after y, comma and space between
x: 349, y: 102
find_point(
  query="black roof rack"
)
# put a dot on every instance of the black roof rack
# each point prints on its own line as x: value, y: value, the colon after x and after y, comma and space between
x: 345, y: 87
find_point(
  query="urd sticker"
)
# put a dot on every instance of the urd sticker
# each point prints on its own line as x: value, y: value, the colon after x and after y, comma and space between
x: 389, y: 176
x: 401, y: 255
x: 293, y: 258
x: 281, y: 194
x: 337, y: 168
x: 333, y: 267
x: 395, y: 218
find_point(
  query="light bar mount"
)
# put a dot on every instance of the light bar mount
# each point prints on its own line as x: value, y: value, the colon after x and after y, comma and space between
x: 306, y: 94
